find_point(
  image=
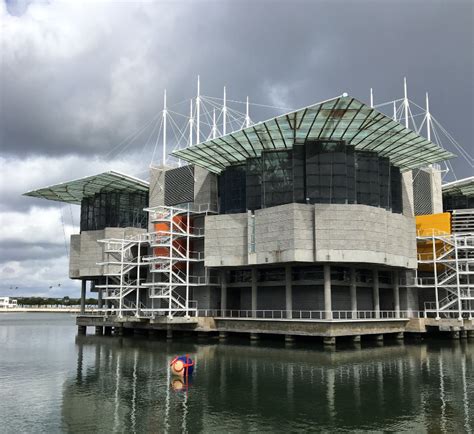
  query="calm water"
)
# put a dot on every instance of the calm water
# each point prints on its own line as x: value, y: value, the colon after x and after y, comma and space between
x: 52, y: 381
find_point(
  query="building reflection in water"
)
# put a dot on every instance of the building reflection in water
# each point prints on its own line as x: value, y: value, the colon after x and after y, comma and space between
x: 125, y: 384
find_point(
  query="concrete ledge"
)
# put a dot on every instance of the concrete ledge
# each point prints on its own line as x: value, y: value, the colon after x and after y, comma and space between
x: 311, y: 328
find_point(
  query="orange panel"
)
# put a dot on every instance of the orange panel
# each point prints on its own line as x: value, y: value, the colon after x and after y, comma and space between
x: 440, y: 223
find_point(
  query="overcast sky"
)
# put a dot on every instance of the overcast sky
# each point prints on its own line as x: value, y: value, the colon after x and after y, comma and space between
x: 78, y: 77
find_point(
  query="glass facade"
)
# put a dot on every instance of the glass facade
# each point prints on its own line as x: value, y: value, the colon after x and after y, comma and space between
x: 114, y: 209
x: 317, y: 172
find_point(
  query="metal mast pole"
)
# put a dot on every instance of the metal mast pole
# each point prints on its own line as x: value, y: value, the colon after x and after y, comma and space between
x: 247, y: 114
x: 428, y: 118
x: 214, y: 126
x: 394, y: 111
x: 198, y: 111
x: 165, y: 115
x: 224, y: 114
x: 191, y: 122
x: 405, y: 100
x: 371, y: 98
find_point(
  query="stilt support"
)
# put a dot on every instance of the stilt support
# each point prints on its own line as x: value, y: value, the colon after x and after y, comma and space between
x: 400, y: 336
x: 378, y: 338
x: 355, y: 339
x: 99, y: 330
x: 81, y: 330
x: 289, y: 339
x: 463, y: 334
x: 254, y: 337
x: 454, y: 334
x: 222, y: 336
x: 169, y: 334
x: 470, y: 334
x: 107, y: 331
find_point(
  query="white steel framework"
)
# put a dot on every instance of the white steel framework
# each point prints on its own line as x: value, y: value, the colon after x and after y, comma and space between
x: 451, y: 258
x: 169, y: 281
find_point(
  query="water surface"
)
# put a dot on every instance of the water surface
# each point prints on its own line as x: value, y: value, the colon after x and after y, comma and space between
x: 54, y: 381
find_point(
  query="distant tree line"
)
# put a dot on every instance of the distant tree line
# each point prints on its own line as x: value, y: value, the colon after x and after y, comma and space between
x: 47, y: 301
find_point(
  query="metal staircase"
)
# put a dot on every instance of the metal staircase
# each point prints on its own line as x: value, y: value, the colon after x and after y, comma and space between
x: 451, y: 259
x: 168, y: 281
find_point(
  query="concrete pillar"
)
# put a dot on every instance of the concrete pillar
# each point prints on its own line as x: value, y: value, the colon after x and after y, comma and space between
x: 470, y: 334
x: 329, y: 340
x: 289, y: 339
x: 120, y: 331
x: 327, y: 292
x: 100, y: 302
x: 107, y: 331
x: 169, y: 333
x: 400, y: 336
x: 353, y: 289
x: 355, y: 339
x: 378, y: 338
x: 222, y: 336
x: 99, y: 330
x: 454, y: 334
x: 83, y: 296
x: 376, y: 293
x: 396, y: 293
x: 254, y: 337
x: 254, y: 292
x: 81, y: 330
x: 223, y: 292
x: 288, y: 292
x: 463, y: 334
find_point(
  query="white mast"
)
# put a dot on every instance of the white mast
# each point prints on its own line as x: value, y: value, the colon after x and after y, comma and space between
x: 198, y: 111
x: 428, y: 118
x: 394, y: 110
x: 405, y: 100
x: 214, y: 126
x: 191, y: 122
x: 224, y: 114
x: 165, y: 115
x: 247, y: 117
x: 371, y: 98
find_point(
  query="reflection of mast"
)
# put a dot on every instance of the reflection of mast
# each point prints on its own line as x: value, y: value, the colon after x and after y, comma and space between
x: 133, y: 418
x: 117, y: 400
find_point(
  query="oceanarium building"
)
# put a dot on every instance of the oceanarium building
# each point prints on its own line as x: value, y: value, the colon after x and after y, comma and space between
x: 302, y: 224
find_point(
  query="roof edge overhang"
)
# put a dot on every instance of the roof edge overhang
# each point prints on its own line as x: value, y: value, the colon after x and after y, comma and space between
x: 340, y: 118
x: 463, y: 186
x: 75, y: 190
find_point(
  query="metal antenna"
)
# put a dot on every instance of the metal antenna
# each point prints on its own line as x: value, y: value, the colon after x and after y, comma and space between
x: 247, y: 117
x: 165, y: 115
x: 405, y: 100
x: 191, y: 122
x: 394, y: 111
x: 198, y: 111
x: 428, y: 118
x: 214, y: 126
x: 371, y: 98
x: 224, y: 114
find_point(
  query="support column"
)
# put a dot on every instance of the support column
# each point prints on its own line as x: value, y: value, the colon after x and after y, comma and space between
x: 329, y: 340
x: 107, y: 331
x: 100, y: 301
x: 222, y: 336
x: 353, y: 288
x: 169, y: 333
x: 288, y: 292
x: 83, y: 296
x: 99, y: 330
x: 327, y: 292
x: 355, y: 339
x: 81, y: 330
x: 254, y: 292
x: 376, y: 293
x: 223, y: 292
x: 396, y: 294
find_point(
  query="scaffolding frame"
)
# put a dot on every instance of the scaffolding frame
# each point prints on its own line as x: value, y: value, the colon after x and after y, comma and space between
x: 451, y: 257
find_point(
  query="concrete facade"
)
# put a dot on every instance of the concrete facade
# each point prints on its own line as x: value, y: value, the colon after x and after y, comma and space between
x: 86, y: 252
x: 311, y: 233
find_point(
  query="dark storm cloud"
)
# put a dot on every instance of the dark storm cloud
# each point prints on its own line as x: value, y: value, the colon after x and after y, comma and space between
x: 88, y: 98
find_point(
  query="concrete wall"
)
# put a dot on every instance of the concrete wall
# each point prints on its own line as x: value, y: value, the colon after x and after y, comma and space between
x: 205, y: 188
x: 86, y: 252
x: 407, y: 194
x: 308, y: 233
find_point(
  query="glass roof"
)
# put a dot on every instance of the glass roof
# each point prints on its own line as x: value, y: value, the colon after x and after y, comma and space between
x: 341, y: 118
x: 74, y: 191
x: 461, y: 186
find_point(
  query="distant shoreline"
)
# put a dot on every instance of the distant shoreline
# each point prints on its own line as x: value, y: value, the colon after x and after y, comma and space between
x: 41, y: 310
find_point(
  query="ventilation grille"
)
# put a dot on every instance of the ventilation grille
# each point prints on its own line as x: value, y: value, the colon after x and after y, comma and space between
x: 422, y: 194
x: 179, y: 186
